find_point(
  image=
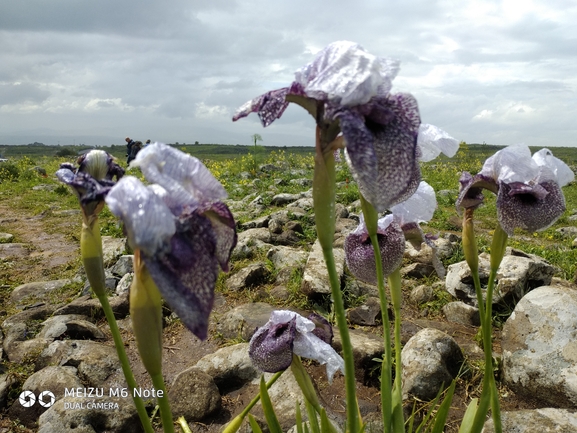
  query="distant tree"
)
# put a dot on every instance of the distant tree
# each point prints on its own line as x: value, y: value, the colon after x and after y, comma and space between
x: 255, y: 138
x: 176, y: 144
x: 196, y: 143
x: 66, y: 152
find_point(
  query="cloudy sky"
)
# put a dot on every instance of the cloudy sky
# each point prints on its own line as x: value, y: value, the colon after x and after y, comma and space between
x: 73, y: 71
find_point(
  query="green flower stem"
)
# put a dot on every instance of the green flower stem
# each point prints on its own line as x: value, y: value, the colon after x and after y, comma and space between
x: 91, y: 250
x: 235, y: 424
x: 324, y: 205
x: 165, y: 412
x: 305, y: 383
x: 396, y: 296
x: 146, y: 317
x: 183, y: 425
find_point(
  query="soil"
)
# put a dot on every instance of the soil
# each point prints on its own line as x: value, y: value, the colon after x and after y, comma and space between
x: 54, y: 251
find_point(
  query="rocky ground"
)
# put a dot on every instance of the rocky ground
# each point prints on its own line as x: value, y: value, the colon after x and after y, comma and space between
x: 54, y: 336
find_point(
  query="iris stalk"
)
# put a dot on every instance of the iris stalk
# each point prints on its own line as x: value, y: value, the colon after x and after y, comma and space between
x: 91, y: 251
x: 324, y: 206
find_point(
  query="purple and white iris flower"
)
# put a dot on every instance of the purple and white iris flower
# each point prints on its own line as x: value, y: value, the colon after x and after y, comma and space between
x: 528, y: 188
x: 392, y: 231
x: 91, y: 180
x: 272, y: 346
x: 183, y: 230
x: 347, y: 91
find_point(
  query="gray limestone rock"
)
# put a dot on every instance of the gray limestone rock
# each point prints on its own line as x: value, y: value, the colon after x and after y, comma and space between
x: 422, y: 294
x: 73, y: 326
x: 248, y: 277
x: 90, y: 307
x: 123, y: 265
x: 112, y: 249
x: 540, y: 346
x: 366, y: 314
x: 37, y: 290
x: 462, y: 313
x: 194, y: 395
x: 243, y: 320
x: 13, y: 250
x: 545, y: 420
x: 6, y: 238
x: 518, y: 274
x: 431, y: 359
x: 230, y: 367
x: 315, y: 278
x: 366, y: 347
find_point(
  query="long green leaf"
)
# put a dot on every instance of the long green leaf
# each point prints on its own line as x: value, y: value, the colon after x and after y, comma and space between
x: 253, y: 424
x: 299, y: 418
x: 443, y: 412
x: 271, y: 419
x: 313, y: 422
x: 469, y: 417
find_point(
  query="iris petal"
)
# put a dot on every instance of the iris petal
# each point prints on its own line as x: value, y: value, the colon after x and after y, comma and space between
x: 187, y: 272
x: 271, y: 347
x: 269, y: 106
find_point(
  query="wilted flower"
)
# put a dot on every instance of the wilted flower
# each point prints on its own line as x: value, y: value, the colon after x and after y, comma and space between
x: 347, y: 90
x: 272, y: 346
x: 91, y: 180
x: 528, y: 188
x: 392, y: 230
x: 183, y: 230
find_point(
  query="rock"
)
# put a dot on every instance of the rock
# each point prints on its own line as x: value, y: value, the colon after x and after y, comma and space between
x: 112, y: 249
x: 256, y: 223
x: 459, y: 312
x: 269, y: 168
x: 260, y: 234
x: 303, y: 182
x: 539, y: 346
x: 315, y: 278
x: 567, y: 232
x: 518, y: 274
x: 35, y: 291
x: 545, y: 420
x: 275, y: 226
x: 73, y: 326
x: 123, y: 286
x: 230, y: 367
x: 366, y: 347
x: 305, y: 203
x: 250, y: 276
x: 194, y: 395
x: 418, y: 270
x: 422, y: 294
x: 286, y: 257
x: 92, y: 308
x: 341, y: 211
x: 95, y: 361
x: 124, y: 265
x: 7, y: 383
x: 115, y: 415
x: 13, y: 251
x: 243, y: 320
x: 284, y: 199
x: 110, y: 283
x: 431, y: 359
x: 280, y: 293
x: 6, y: 238
x: 366, y: 314
x: 53, y: 379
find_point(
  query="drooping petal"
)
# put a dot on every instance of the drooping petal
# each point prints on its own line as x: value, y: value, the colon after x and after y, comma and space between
x: 521, y: 207
x: 90, y: 192
x: 360, y: 256
x: 271, y: 347
x: 420, y: 207
x: 269, y: 106
x: 383, y: 158
x: 225, y: 231
x: 323, y: 328
x: 148, y: 221
x: 186, y: 273
x: 185, y: 177
x: 345, y: 73
x: 471, y: 190
x: 433, y: 141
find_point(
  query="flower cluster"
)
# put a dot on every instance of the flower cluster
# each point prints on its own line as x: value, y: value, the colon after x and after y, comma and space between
x: 528, y: 188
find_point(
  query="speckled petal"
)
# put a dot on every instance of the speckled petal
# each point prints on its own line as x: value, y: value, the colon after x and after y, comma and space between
x: 360, y: 257
x: 271, y: 347
x: 269, y: 106
x: 323, y: 328
x: 90, y: 192
x: 394, y: 147
x: 186, y: 274
x: 521, y: 208
x: 185, y: 177
x: 225, y: 230
x: 471, y: 190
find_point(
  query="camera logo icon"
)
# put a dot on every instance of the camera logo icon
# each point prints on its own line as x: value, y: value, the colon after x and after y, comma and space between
x: 45, y: 399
